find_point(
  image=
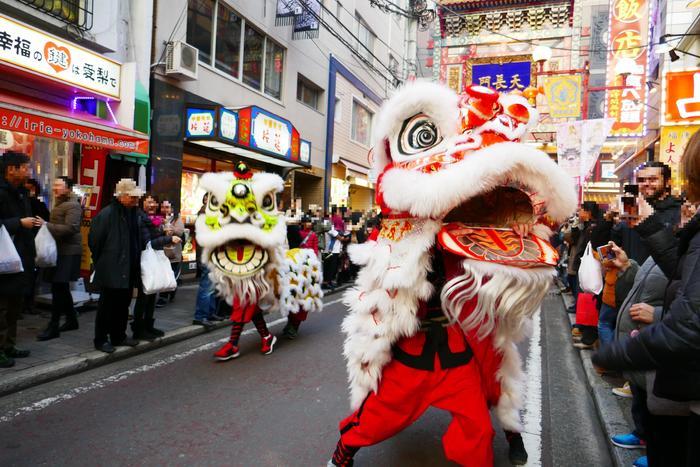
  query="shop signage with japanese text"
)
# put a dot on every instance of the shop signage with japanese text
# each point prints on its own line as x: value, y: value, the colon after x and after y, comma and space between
x: 200, y: 122
x: 628, y: 38
x: 271, y: 134
x: 673, y: 141
x: 228, y: 125
x: 15, y: 120
x: 305, y: 151
x: 38, y: 52
x: 681, y: 97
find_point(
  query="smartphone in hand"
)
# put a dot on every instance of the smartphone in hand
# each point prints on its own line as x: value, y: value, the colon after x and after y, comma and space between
x: 605, y: 252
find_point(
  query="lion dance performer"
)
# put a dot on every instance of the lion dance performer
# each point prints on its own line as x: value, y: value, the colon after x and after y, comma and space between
x: 449, y: 286
x: 243, y: 238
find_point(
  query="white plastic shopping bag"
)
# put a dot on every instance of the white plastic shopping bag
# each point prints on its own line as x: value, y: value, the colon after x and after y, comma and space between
x: 10, y: 262
x: 46, y: 251
x: 156, y: 273
x: 590, y: 273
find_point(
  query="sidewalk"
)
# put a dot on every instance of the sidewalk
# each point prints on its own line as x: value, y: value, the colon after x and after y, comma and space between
x: 613, y: 411
x: 73, y: 352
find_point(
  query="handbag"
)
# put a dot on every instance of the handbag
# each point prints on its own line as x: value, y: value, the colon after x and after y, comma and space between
x: 10, y: 262
x: 46, y: 250
x: 586, y: 309
x: 590, y: 273
x: 156, y: 273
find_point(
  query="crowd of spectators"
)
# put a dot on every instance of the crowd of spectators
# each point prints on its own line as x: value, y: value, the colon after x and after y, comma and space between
x: 645, y: 323
x: 116, y: 238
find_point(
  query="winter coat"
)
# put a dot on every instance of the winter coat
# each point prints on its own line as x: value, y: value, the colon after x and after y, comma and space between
x: 14, y: 205
x: 671, y: 346
x: 110, y: 247
x: 64, y: 225
x: 174, y: 250
x: 646, y: 284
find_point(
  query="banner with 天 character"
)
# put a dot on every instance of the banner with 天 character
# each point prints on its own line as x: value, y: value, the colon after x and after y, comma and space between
x: 501, y: 74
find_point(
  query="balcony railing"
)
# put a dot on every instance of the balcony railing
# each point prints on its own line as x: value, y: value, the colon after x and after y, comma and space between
x: 77, y: 13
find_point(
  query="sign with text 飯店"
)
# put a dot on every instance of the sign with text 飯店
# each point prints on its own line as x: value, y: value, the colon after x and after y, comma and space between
x: 37, y: 52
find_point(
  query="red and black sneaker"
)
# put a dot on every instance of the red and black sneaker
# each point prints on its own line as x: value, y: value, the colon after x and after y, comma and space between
x: 227, y: 352
x: 268, y: 344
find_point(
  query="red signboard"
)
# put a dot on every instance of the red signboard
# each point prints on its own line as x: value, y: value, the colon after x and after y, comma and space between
x: 15, y: 120
x: 629, y: 34
x: 681, y: 97
x: 92, y: 174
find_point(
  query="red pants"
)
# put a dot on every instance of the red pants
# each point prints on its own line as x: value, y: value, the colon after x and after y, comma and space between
x: 405, y: 393
x: 297, y: 318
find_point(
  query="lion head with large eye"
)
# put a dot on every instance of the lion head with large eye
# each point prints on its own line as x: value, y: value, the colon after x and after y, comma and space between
x: 241, y: 232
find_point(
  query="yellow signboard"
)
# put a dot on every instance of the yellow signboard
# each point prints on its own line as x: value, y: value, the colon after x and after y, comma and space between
x: 673, y: 141
x: 563, y: 95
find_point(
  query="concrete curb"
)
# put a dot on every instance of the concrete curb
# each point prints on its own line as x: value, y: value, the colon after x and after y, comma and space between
x: 609, y: 411
x: 74, y: 364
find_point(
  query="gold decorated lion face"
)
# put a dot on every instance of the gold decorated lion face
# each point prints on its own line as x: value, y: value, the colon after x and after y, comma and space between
x: 241, y: 225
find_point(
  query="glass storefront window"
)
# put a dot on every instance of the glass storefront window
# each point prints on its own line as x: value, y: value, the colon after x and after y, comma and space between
x: 228, y: 40
x: 50, y: 158
x: 253, y: 46
x: 199, y: 27
x: 274, y: 65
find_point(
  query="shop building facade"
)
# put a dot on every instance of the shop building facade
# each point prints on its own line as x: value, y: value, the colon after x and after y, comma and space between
x: 73, y: 95
x: 246, y: 60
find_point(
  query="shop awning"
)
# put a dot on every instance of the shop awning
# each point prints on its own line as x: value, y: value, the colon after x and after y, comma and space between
x: 33, y: 116
x: 235, y: 150
x: 354, y: 166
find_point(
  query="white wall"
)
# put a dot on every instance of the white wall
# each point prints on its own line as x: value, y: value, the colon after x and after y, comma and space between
x: 307, y: 57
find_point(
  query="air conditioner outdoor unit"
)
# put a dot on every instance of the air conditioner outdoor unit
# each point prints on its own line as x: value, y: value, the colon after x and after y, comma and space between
x: 181, y: 60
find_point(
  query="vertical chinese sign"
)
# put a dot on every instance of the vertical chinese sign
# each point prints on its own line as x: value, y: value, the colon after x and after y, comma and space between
x: 629, y: 33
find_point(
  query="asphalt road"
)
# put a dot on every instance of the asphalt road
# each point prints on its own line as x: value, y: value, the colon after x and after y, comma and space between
x: 175, y: 406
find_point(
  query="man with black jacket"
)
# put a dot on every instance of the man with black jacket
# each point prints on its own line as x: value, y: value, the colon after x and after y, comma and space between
x: 15, y: 216
x: 117, y: 236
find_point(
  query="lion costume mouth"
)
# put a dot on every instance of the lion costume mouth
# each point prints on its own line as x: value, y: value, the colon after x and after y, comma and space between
x: 239, y: 258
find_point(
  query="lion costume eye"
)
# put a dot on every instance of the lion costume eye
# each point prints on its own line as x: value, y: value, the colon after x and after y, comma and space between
x: 213, y: 202
x: 268, y: 202
x: 417, y: 134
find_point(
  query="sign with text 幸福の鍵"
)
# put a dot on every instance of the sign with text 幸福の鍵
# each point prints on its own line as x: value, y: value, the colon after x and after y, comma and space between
x: 40, y: 53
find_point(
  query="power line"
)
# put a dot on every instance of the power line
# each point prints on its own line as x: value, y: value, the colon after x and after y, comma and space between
x: 377, y: 37
x: 344, y: 41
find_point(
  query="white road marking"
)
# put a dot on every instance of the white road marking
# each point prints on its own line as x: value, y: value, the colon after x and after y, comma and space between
x: 49, y: 401
x: 532, y: 437
x: 44, y: 403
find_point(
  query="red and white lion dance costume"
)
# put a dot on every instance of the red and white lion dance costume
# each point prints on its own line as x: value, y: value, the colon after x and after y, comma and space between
x: 447, y: 287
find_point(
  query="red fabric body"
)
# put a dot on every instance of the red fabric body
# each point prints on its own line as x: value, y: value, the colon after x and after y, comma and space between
x: 405, y: 393
x: 586, y: 309
x: 242, y: 314
x: 297, y: 318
